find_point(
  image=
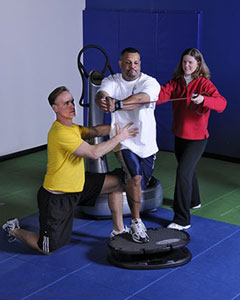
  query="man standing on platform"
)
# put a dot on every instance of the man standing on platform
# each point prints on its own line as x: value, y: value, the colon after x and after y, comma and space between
x: 130, y: 96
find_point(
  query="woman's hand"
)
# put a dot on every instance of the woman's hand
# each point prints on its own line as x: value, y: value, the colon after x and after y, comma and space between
x: 197, y: 99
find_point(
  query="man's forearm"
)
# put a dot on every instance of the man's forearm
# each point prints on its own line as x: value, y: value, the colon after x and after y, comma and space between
x: 102, y: 130
x: 98, y: 150
x: 98, y: 131
x: 130, y: 103
x: 105, y: 147
x: 134, y: 101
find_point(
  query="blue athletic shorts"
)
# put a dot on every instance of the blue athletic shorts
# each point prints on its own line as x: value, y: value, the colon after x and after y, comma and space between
x: 134, y: 165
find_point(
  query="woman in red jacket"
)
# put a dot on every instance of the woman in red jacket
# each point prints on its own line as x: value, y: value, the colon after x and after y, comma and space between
x: 190, y: 120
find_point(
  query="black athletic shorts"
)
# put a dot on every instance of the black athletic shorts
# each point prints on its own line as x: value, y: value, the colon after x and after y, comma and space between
x: 56, y: 211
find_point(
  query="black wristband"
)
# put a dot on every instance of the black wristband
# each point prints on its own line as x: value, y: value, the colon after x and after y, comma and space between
x: 118, y: 105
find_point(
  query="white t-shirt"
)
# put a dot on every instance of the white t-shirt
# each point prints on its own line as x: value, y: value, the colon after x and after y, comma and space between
x: 144, y: 144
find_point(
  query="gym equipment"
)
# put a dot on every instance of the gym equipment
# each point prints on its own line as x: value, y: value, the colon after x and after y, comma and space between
x: 152, y: 196
x: 166, y: 249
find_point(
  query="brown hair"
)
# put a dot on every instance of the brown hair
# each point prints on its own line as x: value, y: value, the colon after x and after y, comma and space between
x: 202, y: 69
x: 55, y: 93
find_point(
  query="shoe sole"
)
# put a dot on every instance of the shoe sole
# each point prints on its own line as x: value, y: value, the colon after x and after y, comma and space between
x: 196, y: 207
x: 182, y: 227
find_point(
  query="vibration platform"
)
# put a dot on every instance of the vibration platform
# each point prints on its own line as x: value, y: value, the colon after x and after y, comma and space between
x: 166, y: 249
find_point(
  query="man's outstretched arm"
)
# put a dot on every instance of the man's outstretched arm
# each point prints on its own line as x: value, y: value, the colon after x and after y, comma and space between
x: 98, y: 150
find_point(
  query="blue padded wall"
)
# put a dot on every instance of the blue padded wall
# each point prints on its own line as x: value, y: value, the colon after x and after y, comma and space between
x: 220, y: 25
x: 158, y: 37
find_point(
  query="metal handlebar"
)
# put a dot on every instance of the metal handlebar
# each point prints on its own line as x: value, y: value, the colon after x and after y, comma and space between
x: 83, y: 72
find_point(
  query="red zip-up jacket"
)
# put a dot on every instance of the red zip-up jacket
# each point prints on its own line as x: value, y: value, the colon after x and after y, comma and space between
x: 189, y: 124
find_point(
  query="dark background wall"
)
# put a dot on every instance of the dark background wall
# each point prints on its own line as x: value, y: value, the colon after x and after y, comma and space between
x: 219, y: 42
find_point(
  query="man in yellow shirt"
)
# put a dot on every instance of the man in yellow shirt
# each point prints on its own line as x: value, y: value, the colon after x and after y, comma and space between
x: 66, y: 184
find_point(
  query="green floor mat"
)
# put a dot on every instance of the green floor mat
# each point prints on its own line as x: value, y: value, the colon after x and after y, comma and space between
x: 218, y: 180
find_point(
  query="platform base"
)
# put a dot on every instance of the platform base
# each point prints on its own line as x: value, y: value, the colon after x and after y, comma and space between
x: 162, y: 260
x: 166, y: 249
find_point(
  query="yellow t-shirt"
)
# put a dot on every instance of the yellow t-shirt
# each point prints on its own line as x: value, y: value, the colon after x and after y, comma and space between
x: 65, y: 171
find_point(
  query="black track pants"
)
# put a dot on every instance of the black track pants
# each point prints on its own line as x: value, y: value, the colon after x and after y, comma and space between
x: 186, y: 194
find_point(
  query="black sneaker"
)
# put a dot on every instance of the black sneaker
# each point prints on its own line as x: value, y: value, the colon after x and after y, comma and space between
x: 10, y: 226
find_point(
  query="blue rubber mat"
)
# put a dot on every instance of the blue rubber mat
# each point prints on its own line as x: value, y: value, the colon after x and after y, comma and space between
x: 80, y: 270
